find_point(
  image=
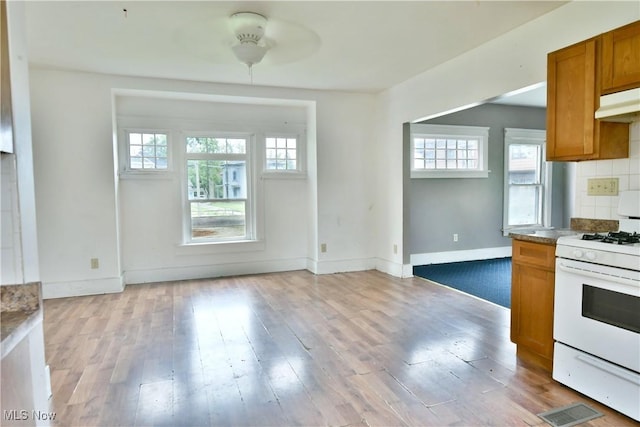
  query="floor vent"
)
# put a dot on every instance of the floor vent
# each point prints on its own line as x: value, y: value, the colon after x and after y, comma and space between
x: 571, y: 415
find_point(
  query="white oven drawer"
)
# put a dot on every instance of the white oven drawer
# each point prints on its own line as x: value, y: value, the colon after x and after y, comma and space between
x: 607, y: 383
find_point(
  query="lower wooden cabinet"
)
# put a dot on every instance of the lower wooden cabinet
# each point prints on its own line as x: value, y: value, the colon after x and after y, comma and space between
x: 532, y: 295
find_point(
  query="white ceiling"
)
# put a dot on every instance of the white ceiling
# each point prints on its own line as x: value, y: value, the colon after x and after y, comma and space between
x: 332, y: 45
x: 533, y: 96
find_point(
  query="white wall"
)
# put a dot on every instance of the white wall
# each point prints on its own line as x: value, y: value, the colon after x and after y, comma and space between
x: 77, y: 197
x: 512, y: 61
x: 72, y: 139
x: 151, y: 207
x: 346, y: 181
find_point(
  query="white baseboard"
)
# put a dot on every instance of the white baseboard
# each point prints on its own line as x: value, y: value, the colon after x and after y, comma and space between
x: 340, y: 266
x: 458, y: 256
x: 52, y: 290
x: 389, y: 267
x: 211, y: 271
x: 407, y: 271
x: 76, y: 288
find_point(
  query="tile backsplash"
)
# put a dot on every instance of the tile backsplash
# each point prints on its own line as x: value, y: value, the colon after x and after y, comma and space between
x: 626, y: 170
x: 11, y: 246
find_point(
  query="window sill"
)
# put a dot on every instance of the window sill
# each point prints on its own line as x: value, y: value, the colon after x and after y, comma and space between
x: 283, y: 175
x: 449, y: 174
x: 207, y: 248
x: 164, y: 174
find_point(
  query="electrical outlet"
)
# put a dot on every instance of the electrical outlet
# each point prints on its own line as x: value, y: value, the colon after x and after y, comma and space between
x: 455, y: 237
x: 95, y: 263
x: 395, y: 249
x: 323, y: 247
x: 602, y: 186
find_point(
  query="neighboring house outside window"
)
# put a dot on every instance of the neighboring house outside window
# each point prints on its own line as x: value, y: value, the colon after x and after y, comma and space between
x: 218, y: 188
x: 527, y: 180
x: 283, y: 156
x: 147, y: 151
x: 444, y: 151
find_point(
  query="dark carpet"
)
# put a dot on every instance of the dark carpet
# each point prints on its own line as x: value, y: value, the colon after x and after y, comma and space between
x: 487, y: 279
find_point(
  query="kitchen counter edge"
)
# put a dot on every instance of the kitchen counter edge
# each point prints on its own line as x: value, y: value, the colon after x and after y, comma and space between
x: 546, y: 237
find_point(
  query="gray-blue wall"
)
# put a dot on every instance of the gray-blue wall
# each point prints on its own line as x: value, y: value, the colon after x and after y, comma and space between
x: 472, y: 208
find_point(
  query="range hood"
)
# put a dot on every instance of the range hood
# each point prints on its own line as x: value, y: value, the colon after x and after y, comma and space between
x: 620, y: 106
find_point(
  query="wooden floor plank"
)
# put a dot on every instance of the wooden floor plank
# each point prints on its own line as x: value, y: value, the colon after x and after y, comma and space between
x: 350, y: 349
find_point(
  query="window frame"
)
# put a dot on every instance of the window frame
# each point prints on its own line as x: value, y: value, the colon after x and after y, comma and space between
x: 299, y: 171
x: 516, y: 136
x: 251, y: 220
x: 125, y: 153
x: 452, y: 132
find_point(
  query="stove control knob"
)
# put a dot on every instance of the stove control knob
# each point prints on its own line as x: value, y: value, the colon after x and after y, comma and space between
x: 578, y: 253
x: 591, y: 255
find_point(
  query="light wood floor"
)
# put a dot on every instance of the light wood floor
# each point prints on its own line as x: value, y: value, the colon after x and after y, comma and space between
x: 350, y: 349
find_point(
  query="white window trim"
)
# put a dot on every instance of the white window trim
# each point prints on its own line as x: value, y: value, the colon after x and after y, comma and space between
x: 301, y: 156
x: 178, y: 129
x: 536, y: 137
x: 124, y: 154
x: 220, y: 247
x: 253, y: 212
x: 452, y: 131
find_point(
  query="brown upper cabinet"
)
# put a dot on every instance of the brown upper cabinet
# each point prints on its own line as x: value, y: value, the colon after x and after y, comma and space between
x: 621, y: 59
x: 575, y: 81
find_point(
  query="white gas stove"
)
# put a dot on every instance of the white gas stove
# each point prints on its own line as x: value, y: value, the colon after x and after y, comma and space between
x: 615, y: 248
x: 597, y: 312
x: 602, y: 248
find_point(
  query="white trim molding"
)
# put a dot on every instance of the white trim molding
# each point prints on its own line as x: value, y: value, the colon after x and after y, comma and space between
x: 78, y: 288
x: 443, y: 133
x: 340, y: 266
x: 390, y: 267
x: 171, y: 274
x: 458, y: 256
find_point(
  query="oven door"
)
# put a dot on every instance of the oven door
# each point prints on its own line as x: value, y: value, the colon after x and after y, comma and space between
x: 597, y: 310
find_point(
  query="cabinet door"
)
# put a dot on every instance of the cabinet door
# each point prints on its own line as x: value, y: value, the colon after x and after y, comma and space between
x: 571, y: 102
x: 532, y: 298
x: 573, y: 96
x: 621, y: 58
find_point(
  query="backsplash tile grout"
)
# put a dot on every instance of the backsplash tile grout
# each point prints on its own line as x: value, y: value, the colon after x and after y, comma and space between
x: 626, y: 170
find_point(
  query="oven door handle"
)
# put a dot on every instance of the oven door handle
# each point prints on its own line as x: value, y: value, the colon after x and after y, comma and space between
x: 607, y: 277
x: 612, y: 369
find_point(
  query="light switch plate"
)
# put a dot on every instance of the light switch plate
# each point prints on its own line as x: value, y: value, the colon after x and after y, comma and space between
x: 602, y: 186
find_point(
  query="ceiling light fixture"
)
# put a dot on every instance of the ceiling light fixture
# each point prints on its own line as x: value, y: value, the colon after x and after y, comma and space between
x: 248, y: 28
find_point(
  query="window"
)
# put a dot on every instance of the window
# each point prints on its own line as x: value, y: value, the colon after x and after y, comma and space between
x: 526, y: 179
x: 284, y: 155
x: 281, y: 153
x: 218, y: 188
x: 440, y: 151
x: 147, y: 151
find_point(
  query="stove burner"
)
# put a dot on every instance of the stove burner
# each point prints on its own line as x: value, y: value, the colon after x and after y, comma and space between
x: 595, y: 236
x: 616, y: 237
